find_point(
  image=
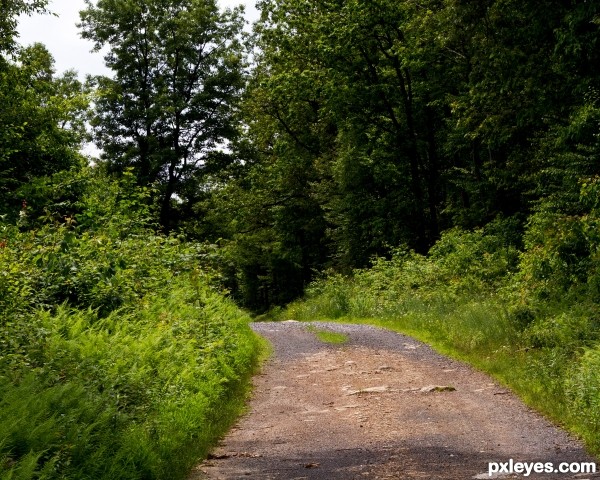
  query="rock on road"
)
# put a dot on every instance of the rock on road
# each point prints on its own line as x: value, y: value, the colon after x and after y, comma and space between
x: 382, y: 405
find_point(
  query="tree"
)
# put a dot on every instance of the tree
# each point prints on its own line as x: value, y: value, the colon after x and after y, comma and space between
x: 9, y: 11
x: 41, y: 122
x: 169, y: 110
x: 508, y: 94
x: 356, y: 87
x: 41, y: 114
x: 393, y: 120
x: 437, y: 108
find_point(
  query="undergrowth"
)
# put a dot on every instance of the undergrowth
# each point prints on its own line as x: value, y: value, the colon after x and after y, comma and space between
x: 118, y: 358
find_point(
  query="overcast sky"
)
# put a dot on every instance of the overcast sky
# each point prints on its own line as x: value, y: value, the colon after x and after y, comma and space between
x: 61, y: 36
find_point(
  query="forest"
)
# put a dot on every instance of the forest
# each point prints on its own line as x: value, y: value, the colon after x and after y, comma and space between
x: 432, y: 166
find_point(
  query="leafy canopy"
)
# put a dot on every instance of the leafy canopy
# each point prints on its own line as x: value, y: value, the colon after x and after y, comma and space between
x: 168, y: 110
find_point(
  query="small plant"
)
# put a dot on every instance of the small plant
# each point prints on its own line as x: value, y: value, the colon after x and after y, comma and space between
x: 327, y: 336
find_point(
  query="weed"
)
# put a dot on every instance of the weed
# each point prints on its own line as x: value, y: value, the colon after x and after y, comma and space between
x: 327, y: 336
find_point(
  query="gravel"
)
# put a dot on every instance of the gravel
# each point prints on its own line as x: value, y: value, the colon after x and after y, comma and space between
x: 382, y: 405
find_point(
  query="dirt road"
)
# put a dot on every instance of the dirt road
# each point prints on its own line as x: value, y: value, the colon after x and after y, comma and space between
x: 380, y: 406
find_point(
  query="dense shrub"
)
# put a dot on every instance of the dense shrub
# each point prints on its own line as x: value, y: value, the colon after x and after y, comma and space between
x: 462, y: 264
x: 118, y: 359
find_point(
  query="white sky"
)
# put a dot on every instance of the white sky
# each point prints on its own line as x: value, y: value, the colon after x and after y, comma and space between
x: 61, y: 36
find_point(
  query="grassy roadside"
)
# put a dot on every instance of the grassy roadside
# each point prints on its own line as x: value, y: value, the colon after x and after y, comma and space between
x: 119, y: 358
x: 138, y: 395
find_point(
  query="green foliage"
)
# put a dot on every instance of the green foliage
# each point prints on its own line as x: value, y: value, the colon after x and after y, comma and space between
x: 335, y: 86
x: 566, y: 331
x: 132, y: 395
x: 45, y: 429
x: 91, y: 267
x: 273, y: 231
x: 560, y: 262
x: 438, y: 293
x: 170, y: 107
x: 384, y: 123
x: 42, y: 119
x: 118, y: 357
x: 331, y: 296
x: 557, y: 254
x: 467, y: 130
x: 9, y: 11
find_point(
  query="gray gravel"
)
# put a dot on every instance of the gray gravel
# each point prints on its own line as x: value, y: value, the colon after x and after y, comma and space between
x: 291, y: 340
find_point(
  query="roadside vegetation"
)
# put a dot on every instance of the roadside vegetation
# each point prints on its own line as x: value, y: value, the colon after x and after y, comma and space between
x: 120, y: 357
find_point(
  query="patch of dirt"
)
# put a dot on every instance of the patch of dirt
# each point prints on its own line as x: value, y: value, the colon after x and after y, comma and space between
x: 381, y: 406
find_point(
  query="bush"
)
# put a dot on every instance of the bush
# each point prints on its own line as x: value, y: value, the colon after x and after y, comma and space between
x: 461, y: 265
x: 118, y: 358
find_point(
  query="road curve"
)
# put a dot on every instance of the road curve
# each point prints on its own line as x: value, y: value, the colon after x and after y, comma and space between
x: 382, y: 405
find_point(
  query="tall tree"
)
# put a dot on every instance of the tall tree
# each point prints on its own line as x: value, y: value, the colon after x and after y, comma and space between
x: 42, y: 122
x: 9, y: 11
x: 169, y: 109
x: 353, y: 86
x: 508, y: 94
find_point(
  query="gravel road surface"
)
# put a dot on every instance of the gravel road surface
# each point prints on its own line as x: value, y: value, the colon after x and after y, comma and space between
x: 381, y: 406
